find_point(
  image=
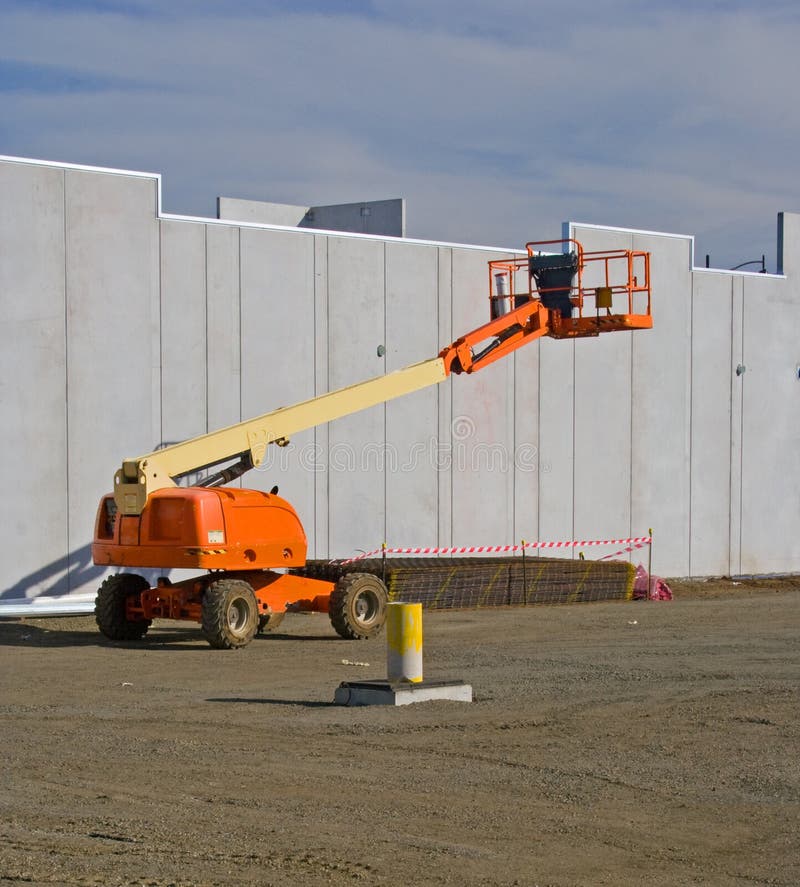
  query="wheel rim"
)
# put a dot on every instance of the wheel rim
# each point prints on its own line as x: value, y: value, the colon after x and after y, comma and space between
x: 238, y: 613
x: 366, y: 607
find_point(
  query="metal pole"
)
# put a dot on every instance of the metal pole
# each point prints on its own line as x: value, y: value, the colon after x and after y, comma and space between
x: 650, y: 563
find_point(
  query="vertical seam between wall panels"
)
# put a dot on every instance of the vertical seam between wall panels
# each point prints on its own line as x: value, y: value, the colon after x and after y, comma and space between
x: 66, y: 381
x: 515, y: 443
x: 574, y: 440
x: 205, y: 251
x: 314, y: 364
x: 691, y: 408
x: 631, y: 472
x: 438, y: 425
x: 328, y: 388
x: 238, y: 305
x: 241, y: 344
x: 385, y: 405
x: 730, y: 428
x: 640, y: 530
x: 158, y: 359
x: 450, y: 411
x: 513, y: 467
x: 160, y: 338
x: 539, y: 444
x: 572, y: 492
x: 513, y: 455
x: 741, y: 440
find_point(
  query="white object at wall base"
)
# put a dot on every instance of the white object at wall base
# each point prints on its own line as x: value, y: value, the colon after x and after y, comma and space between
x: 49, y: 607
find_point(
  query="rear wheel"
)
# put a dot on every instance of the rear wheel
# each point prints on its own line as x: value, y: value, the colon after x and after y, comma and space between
x: 110, y: 610
x: 357, y: 606
x: 230, y: 614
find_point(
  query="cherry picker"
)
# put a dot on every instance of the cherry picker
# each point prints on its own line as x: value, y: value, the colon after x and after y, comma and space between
x: 247, y: 541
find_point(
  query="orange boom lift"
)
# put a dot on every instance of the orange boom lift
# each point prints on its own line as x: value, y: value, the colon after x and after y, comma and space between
x: 245, y: 539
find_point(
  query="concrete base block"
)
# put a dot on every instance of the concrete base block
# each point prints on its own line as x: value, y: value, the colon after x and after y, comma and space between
x: 382, y: 692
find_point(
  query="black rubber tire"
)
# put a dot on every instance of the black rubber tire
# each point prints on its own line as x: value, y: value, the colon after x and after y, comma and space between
x: 230, y: 614
x: 109, y: 607
x: 357, y: 606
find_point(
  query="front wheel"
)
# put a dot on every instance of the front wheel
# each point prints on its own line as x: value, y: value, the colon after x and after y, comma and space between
x: 230, y: 614
x: 110, y: 607
x: 357, y: 606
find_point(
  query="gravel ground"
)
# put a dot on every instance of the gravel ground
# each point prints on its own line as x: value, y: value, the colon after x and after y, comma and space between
x: 610, y: 743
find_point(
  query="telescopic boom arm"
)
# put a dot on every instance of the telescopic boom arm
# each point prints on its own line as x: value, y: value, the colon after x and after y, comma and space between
x: 518, y: 318
x: 248, y: 441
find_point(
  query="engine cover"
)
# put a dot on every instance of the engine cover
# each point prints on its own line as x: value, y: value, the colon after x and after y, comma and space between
x: 221, y: 528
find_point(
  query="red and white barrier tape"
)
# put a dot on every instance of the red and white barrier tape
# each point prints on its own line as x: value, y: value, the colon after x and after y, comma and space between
x: 636, y: 542
x: 607, y: 557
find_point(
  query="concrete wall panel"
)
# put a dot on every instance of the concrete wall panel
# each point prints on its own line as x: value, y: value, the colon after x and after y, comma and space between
x: 411, y: 336
x: 788, y: 241
x: 278, y: 352
x: 320, y: 545
x: 380, y: 217
x: 356, y: 327
x: 113, y: 353
x: 383, y: 217
x: 442, y: 451
x: 184, y: 352
x: 602, y: 473
x: 556, y: 441
x: 33, y: 384
x: 661, y: 407
x: 771, y: 429
x: 183, y: 331
x: 711, y: 424
x: 525, y: 457
x: 482, y: 427
x: 603, y: 438
x: 223, y: 345
x: 737, y: 422
x: 260, y: 212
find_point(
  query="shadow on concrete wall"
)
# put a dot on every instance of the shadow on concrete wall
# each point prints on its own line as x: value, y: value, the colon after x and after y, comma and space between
x: 58, y: 578
x: 69, y: 573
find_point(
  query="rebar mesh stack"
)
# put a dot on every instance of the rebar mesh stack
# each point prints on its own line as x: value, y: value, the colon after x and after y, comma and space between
x: 468, y: 582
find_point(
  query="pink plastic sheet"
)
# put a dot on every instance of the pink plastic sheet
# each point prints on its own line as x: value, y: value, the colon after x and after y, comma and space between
x: 651, y: 588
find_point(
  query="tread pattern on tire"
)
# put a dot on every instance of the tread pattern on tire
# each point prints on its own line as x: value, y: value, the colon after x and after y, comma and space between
x: 342, y: 602
x: 109, y: 607
x: 216, y: 601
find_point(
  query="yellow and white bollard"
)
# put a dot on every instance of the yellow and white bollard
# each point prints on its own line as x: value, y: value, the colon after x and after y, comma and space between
x: 403, y: 684
x: 404, y: 642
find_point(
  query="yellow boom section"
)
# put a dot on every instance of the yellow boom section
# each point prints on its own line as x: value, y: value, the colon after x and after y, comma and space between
x: 140, y: 477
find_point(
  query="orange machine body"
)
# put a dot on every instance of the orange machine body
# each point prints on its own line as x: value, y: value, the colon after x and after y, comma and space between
x: 218, y: 528
x: 225, y: 530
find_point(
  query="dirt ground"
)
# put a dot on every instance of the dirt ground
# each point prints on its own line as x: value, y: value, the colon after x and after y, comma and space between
x: 611, y: 743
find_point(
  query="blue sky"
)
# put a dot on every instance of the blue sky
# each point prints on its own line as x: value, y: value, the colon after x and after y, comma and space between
x: 495, y: 121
